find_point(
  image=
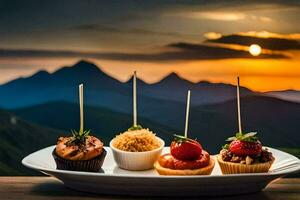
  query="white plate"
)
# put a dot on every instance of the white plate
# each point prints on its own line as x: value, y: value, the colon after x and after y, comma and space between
x: 114, y: 180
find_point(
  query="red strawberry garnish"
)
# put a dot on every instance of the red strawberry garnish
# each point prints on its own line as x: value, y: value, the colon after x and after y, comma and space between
x: 244, y: 144
x: 185, y: 149
x: 244, y: 148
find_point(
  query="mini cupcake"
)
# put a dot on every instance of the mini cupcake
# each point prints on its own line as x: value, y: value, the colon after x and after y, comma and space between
x: 136, y: 149
x: 79, y: 152
x: 186, y: 157
x: 244, y: 154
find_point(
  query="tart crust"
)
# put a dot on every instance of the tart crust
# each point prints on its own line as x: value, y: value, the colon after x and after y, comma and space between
x: 186, y: 172
x: 237, y: 168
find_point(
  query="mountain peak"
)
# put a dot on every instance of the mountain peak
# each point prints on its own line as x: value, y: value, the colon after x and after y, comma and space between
x: 80, y: 68
x: 172, y: 76
x: 84, y: 65
x: 41, y: 73
x: 83, y: 72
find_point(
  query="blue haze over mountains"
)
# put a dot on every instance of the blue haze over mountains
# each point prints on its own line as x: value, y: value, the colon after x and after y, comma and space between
x: 103, y: 90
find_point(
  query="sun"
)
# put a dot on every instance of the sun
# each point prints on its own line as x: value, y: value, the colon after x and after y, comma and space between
x: 254, y: 49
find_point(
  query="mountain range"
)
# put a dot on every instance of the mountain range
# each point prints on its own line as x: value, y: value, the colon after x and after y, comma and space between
x: 154, y: 100
x: 103, y: 90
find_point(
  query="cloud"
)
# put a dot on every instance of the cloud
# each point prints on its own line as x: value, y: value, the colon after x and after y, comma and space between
x: 112, y: 29
x: 173, y: 52
x: 234, y: 6
x: 94, y: 27
x: 221, y: 16
x: 271, y: 43
x: 216, y: 15
x: 230, y: 11
x: 260, y: 18
x: 217, y: 52
x: 265, y: 19
x: 212, y: 35
x: 266, y: 34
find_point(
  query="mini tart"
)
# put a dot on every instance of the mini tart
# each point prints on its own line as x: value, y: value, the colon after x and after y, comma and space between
x: 84, y: 156
x: 186, y: 172
x: 244, y: 154
x: 238, y: 168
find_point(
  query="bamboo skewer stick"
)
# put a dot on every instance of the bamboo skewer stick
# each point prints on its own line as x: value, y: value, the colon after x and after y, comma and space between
x: 238, y: 104
x: 81, y: 107
x: 134, y: 101
x: 187, y: 114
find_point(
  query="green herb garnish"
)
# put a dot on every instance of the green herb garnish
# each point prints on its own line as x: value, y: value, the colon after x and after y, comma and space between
x: 135, y: 128
x: 78, y: 137
x: 181, y: 138
x: 226, y: 146
x: 248, y: 137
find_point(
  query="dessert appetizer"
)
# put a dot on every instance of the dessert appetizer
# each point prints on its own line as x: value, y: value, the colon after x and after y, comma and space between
x: 186, y: 156
x: 79, y: 151
x: 244, y: 153
x: 137, y: 148
x: 136, y: 139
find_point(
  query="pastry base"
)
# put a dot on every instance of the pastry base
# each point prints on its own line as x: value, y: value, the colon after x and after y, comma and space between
x: 186, y: 172
x: 237, y: 168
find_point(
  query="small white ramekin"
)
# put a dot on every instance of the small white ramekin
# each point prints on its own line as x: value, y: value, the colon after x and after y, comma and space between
x: 136, y: 161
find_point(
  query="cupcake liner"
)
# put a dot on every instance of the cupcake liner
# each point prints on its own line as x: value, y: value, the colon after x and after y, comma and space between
x: 237, y: 168
x: 93, y: 165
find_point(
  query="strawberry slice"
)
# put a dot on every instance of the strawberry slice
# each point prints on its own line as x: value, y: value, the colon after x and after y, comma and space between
x: 185, y: 149
x: 245, y: 148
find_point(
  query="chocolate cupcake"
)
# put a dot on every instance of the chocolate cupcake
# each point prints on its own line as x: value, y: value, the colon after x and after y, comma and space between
x: 79, y: 152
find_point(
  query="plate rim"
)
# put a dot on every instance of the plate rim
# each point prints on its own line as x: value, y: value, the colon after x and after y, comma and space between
x: 81, y: 173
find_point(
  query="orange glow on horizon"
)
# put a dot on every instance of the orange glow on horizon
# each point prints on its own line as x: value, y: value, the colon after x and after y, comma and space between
x: 256, y: 74
x: 259, y: 74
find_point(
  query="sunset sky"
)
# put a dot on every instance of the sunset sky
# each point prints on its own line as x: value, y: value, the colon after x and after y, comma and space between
x: 200, y: 40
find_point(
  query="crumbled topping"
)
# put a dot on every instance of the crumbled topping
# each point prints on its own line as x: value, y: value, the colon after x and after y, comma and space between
x: 136, y: 141
x: 249, y: 160
x: 228, y: 156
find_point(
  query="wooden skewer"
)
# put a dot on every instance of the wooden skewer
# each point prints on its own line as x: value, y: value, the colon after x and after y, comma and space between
x: 134, y: 100
x: 238, y: 104
x: 81, y: 106
x: 187, y: 114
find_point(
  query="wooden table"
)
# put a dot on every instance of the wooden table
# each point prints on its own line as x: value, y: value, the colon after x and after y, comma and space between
x: 35, y: 188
